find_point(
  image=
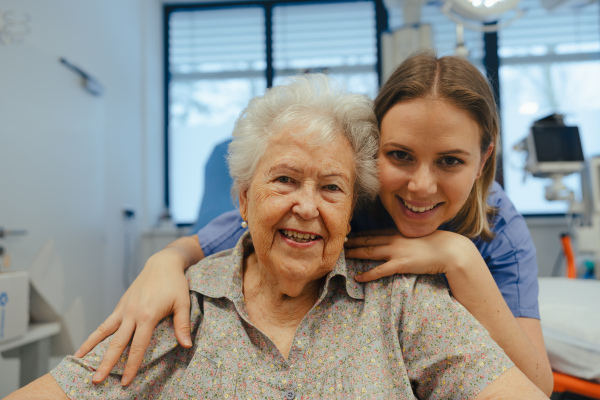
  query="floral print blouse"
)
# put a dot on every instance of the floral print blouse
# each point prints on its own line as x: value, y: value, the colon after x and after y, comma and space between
x: 400, y: 337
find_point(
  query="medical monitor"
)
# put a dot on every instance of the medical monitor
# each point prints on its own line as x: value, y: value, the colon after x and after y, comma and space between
x: 554, y: 150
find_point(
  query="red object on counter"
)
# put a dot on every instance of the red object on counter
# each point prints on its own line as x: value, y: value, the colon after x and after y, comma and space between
x: 567, y: 245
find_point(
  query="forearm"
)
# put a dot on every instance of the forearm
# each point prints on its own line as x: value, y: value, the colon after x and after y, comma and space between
x: 511, y: 385
x: 474, y: 287
x: 187, y: 250
x: 44, y: 388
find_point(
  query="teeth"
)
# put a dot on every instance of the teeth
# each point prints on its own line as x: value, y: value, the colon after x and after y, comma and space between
x: 417, y: 209
x: 300, y: 237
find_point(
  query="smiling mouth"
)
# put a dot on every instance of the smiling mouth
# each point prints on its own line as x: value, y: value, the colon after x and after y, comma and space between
x: 418, y: 209
x: 299, y: 237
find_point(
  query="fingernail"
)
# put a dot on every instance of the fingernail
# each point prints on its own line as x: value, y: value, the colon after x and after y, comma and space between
x: 124, y: 380
x: 77, y: 354
x: 187, y: 342
x: 97, y: 377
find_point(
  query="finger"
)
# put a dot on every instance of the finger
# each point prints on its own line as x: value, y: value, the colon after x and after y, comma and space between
x: 119, y: 341
x: 369, y: 253
x: 181, y: 322
x: 107, y: 328
x: 363, y: 241
x: 386, y: 269
x: 139, y: 344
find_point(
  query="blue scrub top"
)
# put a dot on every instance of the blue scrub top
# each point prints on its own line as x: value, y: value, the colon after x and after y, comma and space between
x: 217, y: 183
x: 510, y: 256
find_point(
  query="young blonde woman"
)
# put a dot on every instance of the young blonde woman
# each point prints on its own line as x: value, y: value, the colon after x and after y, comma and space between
x: 439, y: 212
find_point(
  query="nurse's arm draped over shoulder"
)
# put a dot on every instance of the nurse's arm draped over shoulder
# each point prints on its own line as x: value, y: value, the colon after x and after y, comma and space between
x: 437, y: 161
x: 281, y: 314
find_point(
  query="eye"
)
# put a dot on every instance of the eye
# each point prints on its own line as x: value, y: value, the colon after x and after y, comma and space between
x: 399, y: 155
x: 451, y: 161
x: 332, y: 187
x: 284, y: 179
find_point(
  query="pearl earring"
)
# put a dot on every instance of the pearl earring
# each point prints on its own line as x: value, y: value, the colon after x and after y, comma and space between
x: 244, y: 224
x: 345, y: 239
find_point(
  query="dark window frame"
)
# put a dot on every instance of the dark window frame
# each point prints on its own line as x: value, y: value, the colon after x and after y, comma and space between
x: 380, y: 24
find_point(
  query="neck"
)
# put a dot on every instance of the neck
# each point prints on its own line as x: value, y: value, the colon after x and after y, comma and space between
x: 270, y: 309
x: 267, y: 294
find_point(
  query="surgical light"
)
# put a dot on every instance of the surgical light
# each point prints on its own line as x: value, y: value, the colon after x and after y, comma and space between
x: 471, y: 13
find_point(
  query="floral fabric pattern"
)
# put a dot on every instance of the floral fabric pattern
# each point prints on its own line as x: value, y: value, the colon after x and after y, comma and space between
x: 401, y: 337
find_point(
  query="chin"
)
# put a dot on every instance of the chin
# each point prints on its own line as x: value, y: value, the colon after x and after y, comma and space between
x: 417, y: 232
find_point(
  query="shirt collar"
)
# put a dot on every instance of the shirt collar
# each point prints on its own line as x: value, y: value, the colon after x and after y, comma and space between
x: 347, y: 271
x: 220, y: 275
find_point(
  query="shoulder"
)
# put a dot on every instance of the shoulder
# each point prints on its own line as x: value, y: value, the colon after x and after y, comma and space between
x: 418, y: 288
x: 511, y: 256
x: 403, y: 285
x: 508, y: 225
x: 212, y: 276
x: 355, y: 266
x: 506, y: 215
x: 221, y: 233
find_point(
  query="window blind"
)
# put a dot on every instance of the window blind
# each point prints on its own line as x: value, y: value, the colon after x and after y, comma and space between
x: 216, y: 41
x: 217, y: 60
x: 542, y: 33
x: 333, y: 36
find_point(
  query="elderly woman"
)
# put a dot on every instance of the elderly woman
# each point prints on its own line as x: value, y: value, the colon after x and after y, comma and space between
x: 280, y: 315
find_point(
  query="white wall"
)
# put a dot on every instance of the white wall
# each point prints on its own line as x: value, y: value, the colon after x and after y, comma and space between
x: 69, y: 161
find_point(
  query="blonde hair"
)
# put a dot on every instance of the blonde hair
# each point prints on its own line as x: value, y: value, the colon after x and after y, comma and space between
x: 454, y: 79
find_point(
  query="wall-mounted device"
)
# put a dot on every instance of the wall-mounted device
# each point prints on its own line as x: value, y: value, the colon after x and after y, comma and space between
x: 554, y: 149
x: 90, y: 84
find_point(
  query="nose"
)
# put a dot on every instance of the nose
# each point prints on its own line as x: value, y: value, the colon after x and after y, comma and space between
x: 306, y: 203
x: 423, y: 181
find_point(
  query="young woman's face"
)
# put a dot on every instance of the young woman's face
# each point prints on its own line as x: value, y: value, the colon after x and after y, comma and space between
x: 429, y: 158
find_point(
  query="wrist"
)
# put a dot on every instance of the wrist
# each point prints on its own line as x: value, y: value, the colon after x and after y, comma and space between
x: 169, y: 257
x: 461, y: 256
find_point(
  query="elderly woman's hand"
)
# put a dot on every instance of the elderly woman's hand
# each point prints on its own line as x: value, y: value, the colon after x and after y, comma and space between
x: 436, y: 253
x: 160, y: 290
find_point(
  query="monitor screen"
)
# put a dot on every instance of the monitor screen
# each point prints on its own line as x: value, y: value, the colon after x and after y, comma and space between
x: 557, y: 143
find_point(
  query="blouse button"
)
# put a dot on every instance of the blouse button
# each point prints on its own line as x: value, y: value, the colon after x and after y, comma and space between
x: 290, y: 395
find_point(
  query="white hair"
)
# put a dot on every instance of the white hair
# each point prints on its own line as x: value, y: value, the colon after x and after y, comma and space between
x: 316, y: 104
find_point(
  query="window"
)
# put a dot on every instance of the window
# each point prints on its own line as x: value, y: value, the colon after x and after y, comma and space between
x: 322, y: 37
x: 550, y: 63
x: 219, y: 58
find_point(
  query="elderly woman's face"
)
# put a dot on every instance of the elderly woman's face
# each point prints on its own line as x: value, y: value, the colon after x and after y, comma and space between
x: 298, y: 206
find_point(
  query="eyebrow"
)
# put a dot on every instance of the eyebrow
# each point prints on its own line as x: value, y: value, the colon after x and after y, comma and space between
x: 443, y: 153
x: 334, y: 175
x: 454, y: 152
x: 285, y: 166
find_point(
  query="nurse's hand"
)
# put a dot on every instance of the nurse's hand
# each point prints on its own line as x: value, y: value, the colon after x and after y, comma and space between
x: 161, y: 289
x: 437, y: 253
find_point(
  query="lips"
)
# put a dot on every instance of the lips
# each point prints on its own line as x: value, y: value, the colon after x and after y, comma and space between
x: 299, y: 236
x: 416, y: 209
